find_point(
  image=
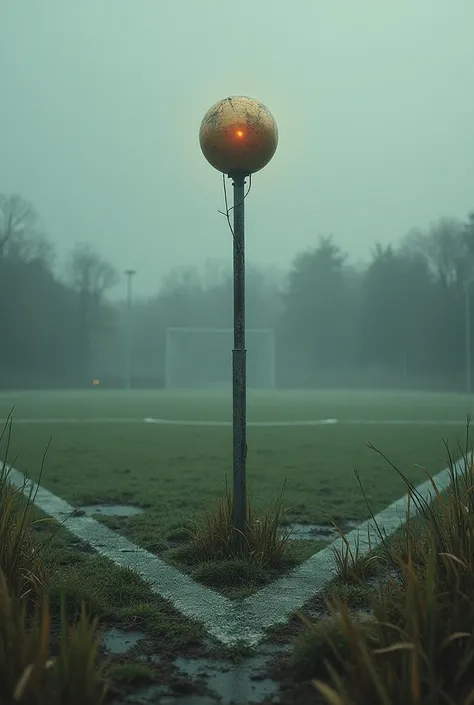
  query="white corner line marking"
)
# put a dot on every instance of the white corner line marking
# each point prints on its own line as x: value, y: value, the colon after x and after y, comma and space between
x: 230, y: 621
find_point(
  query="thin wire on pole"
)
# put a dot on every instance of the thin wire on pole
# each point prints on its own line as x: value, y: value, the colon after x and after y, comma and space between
x: 228, y: 210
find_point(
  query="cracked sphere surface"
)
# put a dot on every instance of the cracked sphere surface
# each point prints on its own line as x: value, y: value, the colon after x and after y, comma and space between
x: 238, y: 135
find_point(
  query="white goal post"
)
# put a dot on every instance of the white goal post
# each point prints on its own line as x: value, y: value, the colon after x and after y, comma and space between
x: 201, y: 358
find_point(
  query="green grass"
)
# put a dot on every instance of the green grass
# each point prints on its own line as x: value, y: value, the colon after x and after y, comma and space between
x: 89, y: 593
x: 417, y: 645
x: 175, y: 472
x: 217, y: 405
x: 117, y: 596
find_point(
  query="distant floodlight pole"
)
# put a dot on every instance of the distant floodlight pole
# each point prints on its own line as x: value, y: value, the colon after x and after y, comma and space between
x: 239, y: 136
x: 129, y: 273
x: 467, y: 331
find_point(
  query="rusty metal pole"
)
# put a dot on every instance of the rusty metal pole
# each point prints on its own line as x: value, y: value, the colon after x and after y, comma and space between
x: 238, y: 137
x: 239, y: 369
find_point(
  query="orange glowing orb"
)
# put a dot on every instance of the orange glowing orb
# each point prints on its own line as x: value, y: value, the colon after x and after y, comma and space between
x: 238, y: 135
x: 95, y: 382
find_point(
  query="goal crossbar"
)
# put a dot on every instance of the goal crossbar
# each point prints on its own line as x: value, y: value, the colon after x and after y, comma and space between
x: 187, y: 364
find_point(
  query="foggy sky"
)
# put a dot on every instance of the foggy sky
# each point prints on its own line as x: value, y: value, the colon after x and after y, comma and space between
x: 101, y: 102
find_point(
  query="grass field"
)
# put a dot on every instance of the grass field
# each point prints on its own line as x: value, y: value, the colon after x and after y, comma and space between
x: 102, y: 451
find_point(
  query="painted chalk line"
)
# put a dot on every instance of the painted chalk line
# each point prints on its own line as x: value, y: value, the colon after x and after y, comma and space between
x: 229, y: 621
x: 78, y: 420
x: 185, y: 422
x: 318, y: 422
x: 226, y: 424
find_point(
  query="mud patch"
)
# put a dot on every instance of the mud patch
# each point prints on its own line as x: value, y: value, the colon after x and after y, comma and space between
x: 119, y: 641
x: 215, y: 681
x: 187, y: 700
x: 240, y: 683
x: 110, y: 510
x: 154, y: 696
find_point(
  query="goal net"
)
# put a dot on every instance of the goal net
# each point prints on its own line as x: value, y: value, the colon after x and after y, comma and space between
x: 201, y: 358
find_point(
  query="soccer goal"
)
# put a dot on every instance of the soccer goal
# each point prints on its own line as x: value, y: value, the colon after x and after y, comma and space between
x: 201, y: 358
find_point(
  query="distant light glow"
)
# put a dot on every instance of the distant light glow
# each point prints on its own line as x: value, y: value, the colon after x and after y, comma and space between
x: 95, y: 382
x: 239, y: 133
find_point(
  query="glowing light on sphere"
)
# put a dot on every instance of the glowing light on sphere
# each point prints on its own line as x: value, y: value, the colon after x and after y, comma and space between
x: 238, y: 135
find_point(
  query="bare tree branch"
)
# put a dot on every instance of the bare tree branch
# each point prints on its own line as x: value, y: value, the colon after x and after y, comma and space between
x: 444, y: 247
x: 89, y: 273
x: 19, y: 235
x: 17, y: 216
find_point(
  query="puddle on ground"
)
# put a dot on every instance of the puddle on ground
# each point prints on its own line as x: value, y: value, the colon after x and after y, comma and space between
x: 315, y: 532
x: 230, y: 682
x: 111, y: 510
x: 234, y: 683
x: 185, y: 700
x: 119, y: 641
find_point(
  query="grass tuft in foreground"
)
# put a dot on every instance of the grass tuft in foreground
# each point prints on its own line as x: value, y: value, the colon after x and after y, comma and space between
x: 28, y: 672
x: 420, y: 646
x: 354, y: 565
x: 37, y: 665
x: 264, y: 542
x: 21, y: 556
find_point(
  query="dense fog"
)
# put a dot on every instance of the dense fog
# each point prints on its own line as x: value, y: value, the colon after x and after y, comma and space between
x: 360, y: 242
x: 399, y: 320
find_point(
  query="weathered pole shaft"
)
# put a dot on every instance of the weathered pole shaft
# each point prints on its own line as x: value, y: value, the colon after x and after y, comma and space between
x: 129, y: 331
x: 239, y: 371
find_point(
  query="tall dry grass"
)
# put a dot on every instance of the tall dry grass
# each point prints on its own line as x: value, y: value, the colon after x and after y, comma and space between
x: 39, y: 663
x: 264, y: 542
x: 421, y: 646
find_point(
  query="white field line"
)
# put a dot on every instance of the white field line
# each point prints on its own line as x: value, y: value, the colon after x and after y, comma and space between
x: 317, y: 422
x: 230, y: 621
x: 258, y: 424
x: 78, y: 420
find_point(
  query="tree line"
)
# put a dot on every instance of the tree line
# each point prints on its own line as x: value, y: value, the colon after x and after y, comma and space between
x: 399, y: 320
x: 49, y: 324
